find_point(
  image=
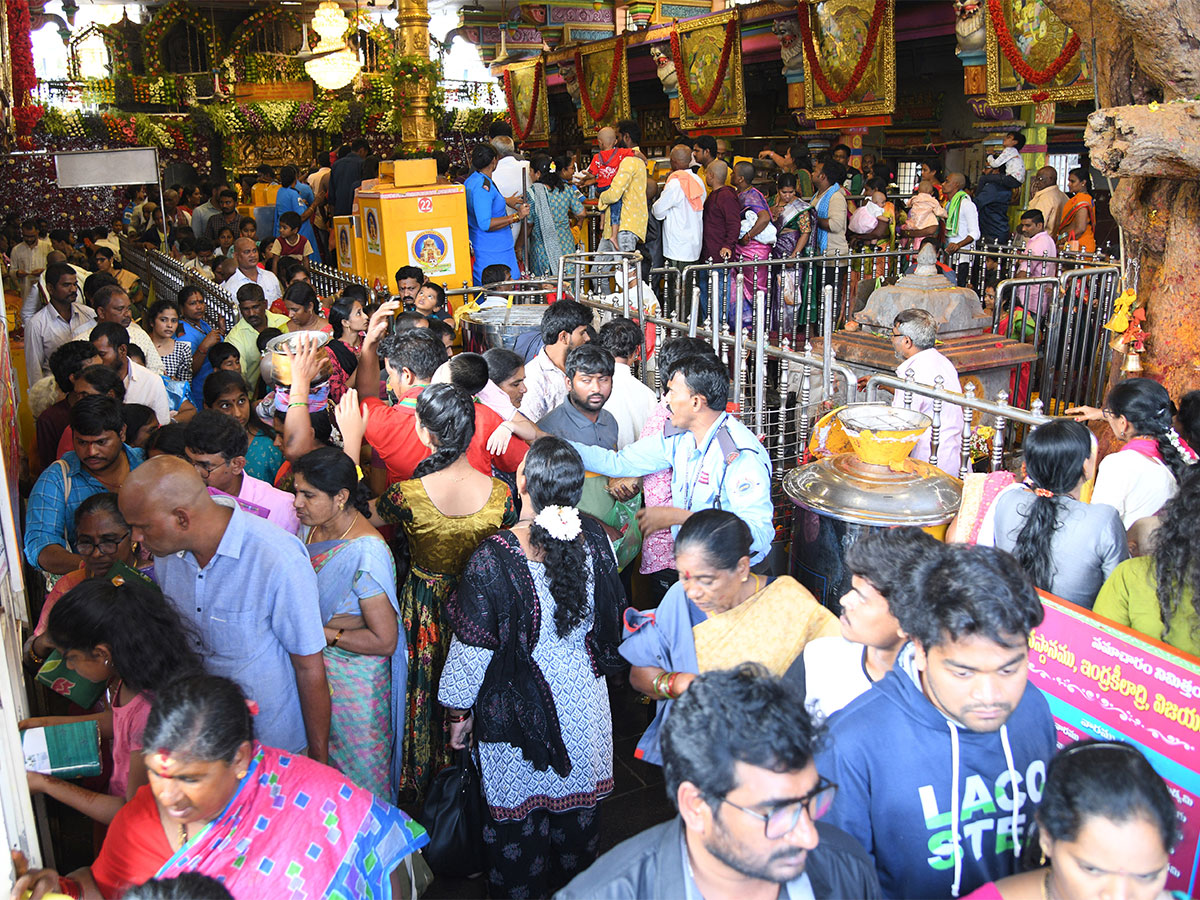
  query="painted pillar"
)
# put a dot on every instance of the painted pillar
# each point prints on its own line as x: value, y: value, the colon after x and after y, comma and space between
x: 417, y: 127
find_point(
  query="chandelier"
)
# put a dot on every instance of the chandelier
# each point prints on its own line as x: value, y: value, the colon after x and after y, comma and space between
x: 335, y: 64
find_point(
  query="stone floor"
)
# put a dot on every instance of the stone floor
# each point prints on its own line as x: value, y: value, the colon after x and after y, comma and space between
x: 638, y: 799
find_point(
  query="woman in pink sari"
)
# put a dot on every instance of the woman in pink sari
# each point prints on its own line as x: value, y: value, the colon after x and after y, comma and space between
x: 750, y: 244
x: 263, y: 822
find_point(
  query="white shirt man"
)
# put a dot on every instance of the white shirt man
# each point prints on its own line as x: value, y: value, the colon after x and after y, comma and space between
x: 265, y: 280
x: 546, y: 384
x: 46, y: 331
x: 38, y: 295
x: 926, y: 366
x: 630, y: 403
x: 29, y: 259
x: 144, y: 387
x: 683, y: 223
x: 512, y: 178
x: 968, y: 227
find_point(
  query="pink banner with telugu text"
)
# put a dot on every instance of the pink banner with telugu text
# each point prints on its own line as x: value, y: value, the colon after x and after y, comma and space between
x: 1110, y: 683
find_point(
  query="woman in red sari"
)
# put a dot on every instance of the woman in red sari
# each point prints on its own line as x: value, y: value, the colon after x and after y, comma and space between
x: 263, y: 822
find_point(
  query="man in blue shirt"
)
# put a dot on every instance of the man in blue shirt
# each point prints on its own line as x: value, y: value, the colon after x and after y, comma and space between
x: 715, y: 460
x: 489, y: 223
x: 100, y: 462
x: 248, y: 589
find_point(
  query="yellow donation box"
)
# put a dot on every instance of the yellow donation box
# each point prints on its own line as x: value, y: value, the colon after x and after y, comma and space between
x: 349, y: 242
x: 420, y: 225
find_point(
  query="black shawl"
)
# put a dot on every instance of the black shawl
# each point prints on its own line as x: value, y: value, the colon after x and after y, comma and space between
x: 495, y: 607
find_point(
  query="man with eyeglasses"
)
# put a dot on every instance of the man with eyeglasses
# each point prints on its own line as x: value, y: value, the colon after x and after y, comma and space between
x: 738, y: 758
x: 216, y: 446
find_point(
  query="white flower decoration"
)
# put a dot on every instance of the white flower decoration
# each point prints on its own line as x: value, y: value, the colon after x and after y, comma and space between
x: 561, y: 522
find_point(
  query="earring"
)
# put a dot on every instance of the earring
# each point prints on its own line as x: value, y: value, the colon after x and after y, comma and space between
x: 1042, y: 859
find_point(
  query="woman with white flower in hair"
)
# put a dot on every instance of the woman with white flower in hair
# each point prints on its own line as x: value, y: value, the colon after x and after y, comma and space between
x: 537, y: 624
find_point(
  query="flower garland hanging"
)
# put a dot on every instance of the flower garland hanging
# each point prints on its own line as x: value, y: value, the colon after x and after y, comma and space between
x: 685, y: 87
x: 522, y: 134
x: 814, y: 65
x: 1013, y: 53
x: 618, y: 56
x: 24, y: 75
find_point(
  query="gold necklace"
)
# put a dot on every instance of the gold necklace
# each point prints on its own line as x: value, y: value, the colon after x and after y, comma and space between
x: 353, y: 519
x: 1046, y: 885
x: 183, y: 837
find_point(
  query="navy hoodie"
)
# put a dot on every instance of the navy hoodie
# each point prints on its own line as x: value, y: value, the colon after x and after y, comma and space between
x: 903, y: 769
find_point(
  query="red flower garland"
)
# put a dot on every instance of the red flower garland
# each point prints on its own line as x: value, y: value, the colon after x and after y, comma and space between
x: 810, y: 52
x: 1013, y: 53
x: 519, y: 133
x: 618, y: 56
x: 685, y: 87
x: 24, y: 75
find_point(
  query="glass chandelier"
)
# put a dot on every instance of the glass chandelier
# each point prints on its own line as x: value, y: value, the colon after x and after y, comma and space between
x: 341, y: 65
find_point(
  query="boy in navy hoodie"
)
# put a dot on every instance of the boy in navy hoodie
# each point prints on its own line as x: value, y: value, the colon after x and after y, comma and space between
x: 928, y: 762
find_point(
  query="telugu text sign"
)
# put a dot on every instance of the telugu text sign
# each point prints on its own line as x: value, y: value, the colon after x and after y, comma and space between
x: 1109, y: 683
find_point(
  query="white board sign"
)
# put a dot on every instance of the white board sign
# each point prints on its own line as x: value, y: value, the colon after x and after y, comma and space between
x: 102, y: 168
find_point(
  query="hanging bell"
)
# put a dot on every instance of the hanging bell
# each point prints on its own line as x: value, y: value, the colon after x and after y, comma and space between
x: 1133, y: 363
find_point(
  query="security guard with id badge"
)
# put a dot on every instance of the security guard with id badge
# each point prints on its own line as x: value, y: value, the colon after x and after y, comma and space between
x: 716, y: 462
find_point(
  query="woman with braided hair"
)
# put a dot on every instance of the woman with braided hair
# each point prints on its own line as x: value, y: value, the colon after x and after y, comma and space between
x: 446, y: 509
x: 537, y: 626
x: 1068, y: 547
x: 1139, y: 479
x: 1159, y: 594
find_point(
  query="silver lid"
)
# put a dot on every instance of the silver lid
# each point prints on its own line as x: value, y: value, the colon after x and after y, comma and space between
x: 293, y: 339
x: 845, y: 488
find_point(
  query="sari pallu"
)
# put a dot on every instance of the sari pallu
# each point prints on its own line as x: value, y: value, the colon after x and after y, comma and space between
x: 1067, y: 238
x: 366, y: 729
x: 297, y: 829
x: 772, y: 627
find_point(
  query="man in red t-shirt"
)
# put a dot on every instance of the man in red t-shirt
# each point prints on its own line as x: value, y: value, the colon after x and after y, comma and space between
x: 410, y: 359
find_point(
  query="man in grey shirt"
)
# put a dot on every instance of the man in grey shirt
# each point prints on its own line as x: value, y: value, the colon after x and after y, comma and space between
x: 582, y: 417
x: 248, y: 589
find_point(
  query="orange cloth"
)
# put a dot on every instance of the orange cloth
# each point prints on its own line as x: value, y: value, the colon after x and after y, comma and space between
x: 692, y: 189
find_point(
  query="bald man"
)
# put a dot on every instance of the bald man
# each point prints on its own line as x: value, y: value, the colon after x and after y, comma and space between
x: 245, y: 254
x: 680, y: 208
x: 248, y: 589
x: 1047, y: 198
x: 722, y: 219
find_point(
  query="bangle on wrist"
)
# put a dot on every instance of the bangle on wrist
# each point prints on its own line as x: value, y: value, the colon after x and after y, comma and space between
x: 303, y: 403
x: 456, y: 719
x: 337, y: 637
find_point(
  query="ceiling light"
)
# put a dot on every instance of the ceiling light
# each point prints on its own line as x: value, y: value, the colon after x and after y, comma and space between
x: 338, y: 68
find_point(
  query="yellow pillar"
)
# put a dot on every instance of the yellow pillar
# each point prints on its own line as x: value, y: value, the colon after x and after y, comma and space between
x: 417, y: 126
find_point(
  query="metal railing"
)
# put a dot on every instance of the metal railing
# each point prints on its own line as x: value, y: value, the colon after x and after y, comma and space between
x: 330, y: 282
x: 168, y: 277
x: 1003, y: 413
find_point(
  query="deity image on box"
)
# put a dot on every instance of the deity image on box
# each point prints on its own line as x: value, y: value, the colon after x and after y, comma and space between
x: 854, y: 71
x: 344, y: 256
x: 710, y: 50
x: 1032, y: 56
x: 432, y: 249
x: 372, y: 220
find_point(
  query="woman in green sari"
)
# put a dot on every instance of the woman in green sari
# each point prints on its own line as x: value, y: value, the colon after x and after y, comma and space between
x: 365, y: 659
